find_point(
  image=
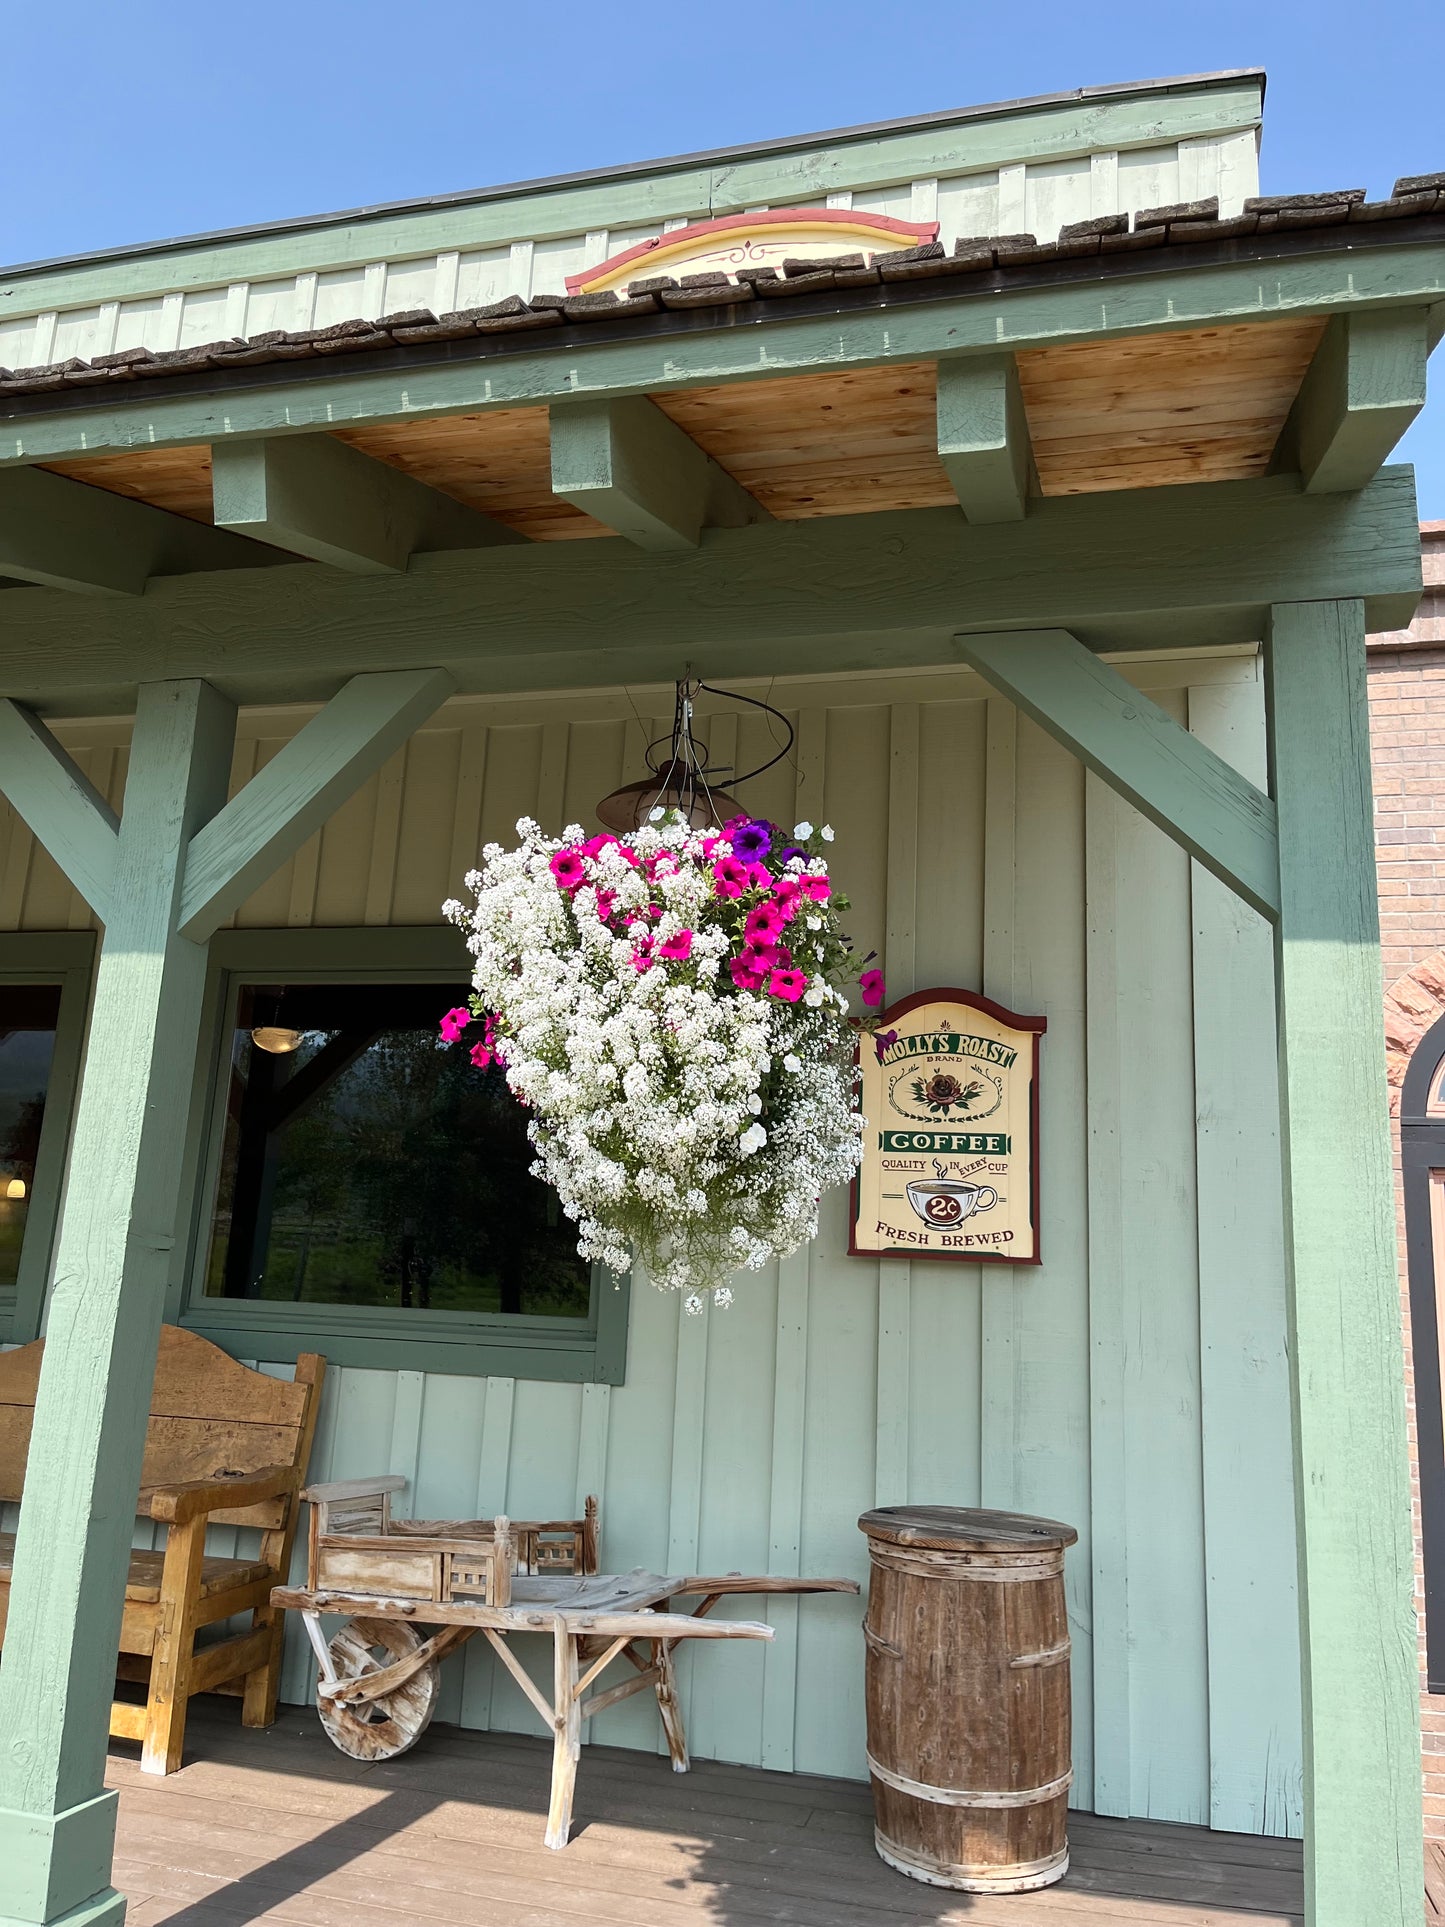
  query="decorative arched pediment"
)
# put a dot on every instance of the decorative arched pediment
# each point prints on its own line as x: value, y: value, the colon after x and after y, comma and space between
x: 754, y: 241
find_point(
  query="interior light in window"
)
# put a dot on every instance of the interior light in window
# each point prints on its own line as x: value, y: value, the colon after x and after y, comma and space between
x: 15, y: 1189
x: 276, y: 1039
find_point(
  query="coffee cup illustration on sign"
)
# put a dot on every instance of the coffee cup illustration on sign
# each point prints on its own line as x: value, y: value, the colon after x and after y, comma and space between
x: 948, y: 1201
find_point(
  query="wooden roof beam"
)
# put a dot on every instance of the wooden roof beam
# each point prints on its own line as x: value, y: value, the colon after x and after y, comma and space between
x: 983, y: 437
x: 627, y: 464
x: 1361, y: 392
x: 314, y: 496
x: 62, y: 534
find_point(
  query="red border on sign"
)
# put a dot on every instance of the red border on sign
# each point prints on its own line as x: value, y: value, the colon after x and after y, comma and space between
x: 916, y: 231
x: 974, y: 1000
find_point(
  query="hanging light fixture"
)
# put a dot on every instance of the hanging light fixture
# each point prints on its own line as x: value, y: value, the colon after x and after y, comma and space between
x: 15, y: 1190
x: 275, y: 1037
x: 681, y: 774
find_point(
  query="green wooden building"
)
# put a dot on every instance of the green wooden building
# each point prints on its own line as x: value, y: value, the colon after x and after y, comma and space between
x: 1035, y: 467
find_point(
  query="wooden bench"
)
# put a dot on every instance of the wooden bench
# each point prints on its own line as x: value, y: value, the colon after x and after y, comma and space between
x: 225, y: 1446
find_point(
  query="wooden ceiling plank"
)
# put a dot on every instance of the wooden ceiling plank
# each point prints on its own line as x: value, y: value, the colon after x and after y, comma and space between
x: 314, y: 496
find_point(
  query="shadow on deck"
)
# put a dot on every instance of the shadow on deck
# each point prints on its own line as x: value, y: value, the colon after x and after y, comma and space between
x: 277, y: 1826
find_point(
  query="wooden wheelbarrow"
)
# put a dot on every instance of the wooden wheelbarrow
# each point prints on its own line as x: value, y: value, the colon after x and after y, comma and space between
x: 413, y: 1591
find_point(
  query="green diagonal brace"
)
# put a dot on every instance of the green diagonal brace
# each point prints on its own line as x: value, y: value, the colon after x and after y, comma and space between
x: 1170, y: 776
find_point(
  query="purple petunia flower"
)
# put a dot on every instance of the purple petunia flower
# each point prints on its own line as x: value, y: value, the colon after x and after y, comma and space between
x: 751, y: 841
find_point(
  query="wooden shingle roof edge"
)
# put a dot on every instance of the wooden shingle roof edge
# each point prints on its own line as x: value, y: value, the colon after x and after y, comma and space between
x: 1196, y: 225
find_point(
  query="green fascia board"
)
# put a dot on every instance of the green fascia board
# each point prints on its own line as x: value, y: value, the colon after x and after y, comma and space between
x: 312, y: 495
x: 65, y: 535
x: 983, y: 437
x: 593, y: 362
x: 1149, y: 569
x: 626, y: 464
x: 1362, y: 390
x: 690, y: 189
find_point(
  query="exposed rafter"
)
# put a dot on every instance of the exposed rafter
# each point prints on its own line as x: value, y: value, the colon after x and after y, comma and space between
x: 983, y: 437
x: 1363, y: 389
x: 62, y: 534
x: 1174, y: 779
x: 315, y: 496
x: 628, y: 465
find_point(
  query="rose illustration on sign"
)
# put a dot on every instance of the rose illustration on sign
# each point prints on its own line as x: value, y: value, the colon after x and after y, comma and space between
x: 944, y: 1092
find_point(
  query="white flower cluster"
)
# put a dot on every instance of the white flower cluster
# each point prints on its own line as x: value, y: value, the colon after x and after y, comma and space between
x: 688, y: 1104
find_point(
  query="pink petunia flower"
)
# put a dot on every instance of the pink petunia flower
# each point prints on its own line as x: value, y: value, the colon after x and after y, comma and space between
x: 454, y: 1023
x: 767, y: 956
x: 730, y: 878
x: 642, y: 958
x: 787, y: 984
x: 761, y: 876
x: 871, y: 985
x: 482, y: 1055
x: 606, y: 903
x: 595, y: 845
x: 764, y: 923
x: 818, y: 888
x: 744, y: 976
x: 678, y: 949
x: 883, y: 1041
x: 568, y: 869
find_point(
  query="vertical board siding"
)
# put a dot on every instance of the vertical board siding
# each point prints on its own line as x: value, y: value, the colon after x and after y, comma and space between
x: 1134, y: 1384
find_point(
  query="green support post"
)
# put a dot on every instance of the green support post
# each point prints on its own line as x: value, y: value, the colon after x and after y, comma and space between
x: 56, y: 1820
x: 1363, y: 1835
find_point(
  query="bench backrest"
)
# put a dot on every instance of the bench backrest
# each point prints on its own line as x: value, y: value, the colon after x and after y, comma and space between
x: 209, y: 1416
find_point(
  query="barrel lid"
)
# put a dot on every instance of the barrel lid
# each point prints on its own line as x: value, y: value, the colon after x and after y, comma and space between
x: 954, y: 1528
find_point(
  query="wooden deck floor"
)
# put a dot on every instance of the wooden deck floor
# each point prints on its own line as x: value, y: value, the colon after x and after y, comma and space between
x: 277, y: 1826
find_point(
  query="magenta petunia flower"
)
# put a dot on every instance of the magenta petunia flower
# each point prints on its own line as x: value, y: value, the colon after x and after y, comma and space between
x: 764, y: 923
x: 743, y: 974
x: 678, y: 949
x: 883, y: 1041
x: 454, y: 1023
x: 642, y: 958
x: 730, y: 878
x: 787, y: 984
x: 606, y: 903
x: 482, y: 1055
x: 871, y: 985
x: 568, y: 869
x: 818, y: 888
x: 595, y: 845
x: 760, y: 876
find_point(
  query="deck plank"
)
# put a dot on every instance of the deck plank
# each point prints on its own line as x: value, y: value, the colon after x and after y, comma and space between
x: 277, y: 1827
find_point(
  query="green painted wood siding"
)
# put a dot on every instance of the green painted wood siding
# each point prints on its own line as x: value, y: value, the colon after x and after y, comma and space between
x: 1134, y: 1385
x: 1016, y: 173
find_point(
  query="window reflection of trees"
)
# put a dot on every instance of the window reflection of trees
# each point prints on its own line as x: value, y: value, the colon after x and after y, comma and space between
x: 400, y: 1179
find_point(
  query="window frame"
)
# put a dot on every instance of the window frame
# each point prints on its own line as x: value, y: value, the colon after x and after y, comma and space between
x: 66, y: 957
x: 375, y: 1337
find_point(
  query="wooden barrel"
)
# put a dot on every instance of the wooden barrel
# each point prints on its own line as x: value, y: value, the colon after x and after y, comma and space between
x: 968, y: 1696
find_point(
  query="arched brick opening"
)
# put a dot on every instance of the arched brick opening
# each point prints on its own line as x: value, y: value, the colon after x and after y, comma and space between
x: 1413, y: 1003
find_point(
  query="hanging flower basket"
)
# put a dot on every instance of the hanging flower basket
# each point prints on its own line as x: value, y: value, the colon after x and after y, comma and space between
x: 670, y: 1007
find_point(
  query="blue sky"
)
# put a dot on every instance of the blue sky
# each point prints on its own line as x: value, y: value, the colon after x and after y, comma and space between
x: 139, y: 123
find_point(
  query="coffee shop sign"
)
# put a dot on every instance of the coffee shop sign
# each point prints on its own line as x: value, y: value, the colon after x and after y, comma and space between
x: 950, y: 1099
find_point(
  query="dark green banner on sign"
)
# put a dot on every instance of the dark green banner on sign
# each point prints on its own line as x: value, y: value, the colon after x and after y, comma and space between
x: 959, y: 1143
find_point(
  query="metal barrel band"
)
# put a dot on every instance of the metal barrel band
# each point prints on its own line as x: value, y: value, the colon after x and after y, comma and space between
x: 1014, y: 1572
x: 1018, y: 1877
x: 946, y: 1796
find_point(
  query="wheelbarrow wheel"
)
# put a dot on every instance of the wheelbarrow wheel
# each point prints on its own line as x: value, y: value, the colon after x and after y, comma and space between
x: 382, y: 1728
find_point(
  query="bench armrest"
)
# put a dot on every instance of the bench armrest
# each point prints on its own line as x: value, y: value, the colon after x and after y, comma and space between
x: 177, y: 1504
x: 342, y: 1489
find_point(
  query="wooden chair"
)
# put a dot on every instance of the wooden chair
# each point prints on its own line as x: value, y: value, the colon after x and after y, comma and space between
x: 225, y: 1446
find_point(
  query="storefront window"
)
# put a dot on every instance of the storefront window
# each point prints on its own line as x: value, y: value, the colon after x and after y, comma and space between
x: 366, y: 1164
x: 29, y: 1014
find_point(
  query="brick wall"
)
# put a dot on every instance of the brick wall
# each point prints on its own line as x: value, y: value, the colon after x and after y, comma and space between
x: 1407, y: 734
